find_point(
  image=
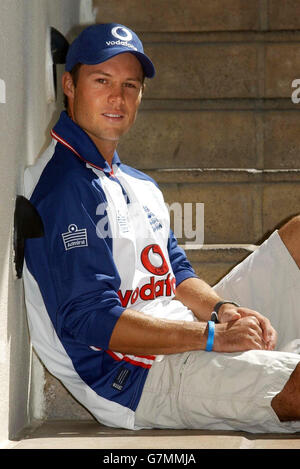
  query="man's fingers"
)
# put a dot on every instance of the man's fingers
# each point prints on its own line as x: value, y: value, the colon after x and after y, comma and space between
x: 231, y: 315
x: 269, y: 333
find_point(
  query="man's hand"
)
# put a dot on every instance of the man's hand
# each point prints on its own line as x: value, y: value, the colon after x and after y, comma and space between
x: 239, y: 335
x: 229, y: 313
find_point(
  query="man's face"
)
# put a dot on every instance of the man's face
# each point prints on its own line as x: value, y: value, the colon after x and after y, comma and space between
x: 106, y: 97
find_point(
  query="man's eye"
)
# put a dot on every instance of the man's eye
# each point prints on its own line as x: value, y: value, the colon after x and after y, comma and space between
x: 129, y: 85
x: 101, y: 80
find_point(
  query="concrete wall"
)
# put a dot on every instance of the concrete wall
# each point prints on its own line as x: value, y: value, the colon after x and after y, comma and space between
x: 27, y: 109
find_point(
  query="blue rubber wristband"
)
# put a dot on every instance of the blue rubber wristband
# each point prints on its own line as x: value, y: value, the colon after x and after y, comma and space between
x: 211, y: 336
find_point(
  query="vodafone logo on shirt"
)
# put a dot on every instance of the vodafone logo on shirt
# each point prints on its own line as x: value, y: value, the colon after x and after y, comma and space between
x: 148, y: 255
x: 154, y: 262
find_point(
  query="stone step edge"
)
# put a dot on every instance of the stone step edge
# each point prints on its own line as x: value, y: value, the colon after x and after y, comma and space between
x: 225, y: 175
x: 257, y: 105
x: 215, y: 253
x: 215, y: 37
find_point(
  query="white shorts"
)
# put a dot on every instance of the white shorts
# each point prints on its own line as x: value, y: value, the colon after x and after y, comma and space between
x: 233, y: 391
x: 268, y: 281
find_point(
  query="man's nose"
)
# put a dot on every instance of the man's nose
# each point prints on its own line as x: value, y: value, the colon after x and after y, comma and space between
x: 116, y: 94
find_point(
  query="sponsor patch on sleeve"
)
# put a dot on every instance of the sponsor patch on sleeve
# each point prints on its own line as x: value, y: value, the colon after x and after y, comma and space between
x: 121, y: 378
x: 74, y: 237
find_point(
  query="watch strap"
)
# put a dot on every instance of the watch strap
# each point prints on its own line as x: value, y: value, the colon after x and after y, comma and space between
x: 214, y: 315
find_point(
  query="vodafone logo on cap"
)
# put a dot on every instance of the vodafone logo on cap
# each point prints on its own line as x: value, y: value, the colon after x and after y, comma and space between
x: 125, y: 33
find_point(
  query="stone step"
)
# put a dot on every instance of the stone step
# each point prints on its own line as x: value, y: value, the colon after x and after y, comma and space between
x: 223, y: 70
x: 243, y: 52
x: 240, y: 206
x: 211, y: 262
x: 185, y: 137
x: 195, y: 15
x: 113, y: 445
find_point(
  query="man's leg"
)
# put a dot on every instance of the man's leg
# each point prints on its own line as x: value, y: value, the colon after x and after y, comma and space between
x: 290, y: 235
x: 286, y: 404
x: 254, y: 391
x: 268, y: 281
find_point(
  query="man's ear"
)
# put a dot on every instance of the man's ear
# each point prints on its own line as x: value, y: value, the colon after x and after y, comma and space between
x: 143, y: 88
x: 68, y: 85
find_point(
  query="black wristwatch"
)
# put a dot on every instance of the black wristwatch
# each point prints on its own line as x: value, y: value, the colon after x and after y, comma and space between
x: 214, y: 314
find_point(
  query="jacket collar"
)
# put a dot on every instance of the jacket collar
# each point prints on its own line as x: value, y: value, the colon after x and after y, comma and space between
x: 69, y: 134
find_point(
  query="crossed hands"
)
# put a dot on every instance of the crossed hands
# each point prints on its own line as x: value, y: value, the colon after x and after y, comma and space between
x: 243, y: 329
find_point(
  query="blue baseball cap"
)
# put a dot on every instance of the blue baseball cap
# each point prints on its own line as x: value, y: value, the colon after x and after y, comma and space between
x: 101, y: 42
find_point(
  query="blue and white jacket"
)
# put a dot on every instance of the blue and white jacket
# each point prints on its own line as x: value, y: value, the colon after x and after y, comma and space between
x: 107, y: 247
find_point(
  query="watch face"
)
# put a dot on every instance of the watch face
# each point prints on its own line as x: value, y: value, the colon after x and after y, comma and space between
x: 214, y: 317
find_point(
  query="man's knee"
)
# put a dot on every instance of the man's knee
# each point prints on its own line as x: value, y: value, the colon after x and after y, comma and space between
x: 290, y: 235
x: 286, y: 404
x: 291, y: 227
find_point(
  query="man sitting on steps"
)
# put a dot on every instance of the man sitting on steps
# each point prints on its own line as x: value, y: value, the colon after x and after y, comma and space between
x: 186, y: 355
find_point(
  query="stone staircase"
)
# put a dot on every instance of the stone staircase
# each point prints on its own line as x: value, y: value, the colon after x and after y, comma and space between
x: 217, y: 125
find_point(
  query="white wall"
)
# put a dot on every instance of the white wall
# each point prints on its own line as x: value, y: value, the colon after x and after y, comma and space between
x: 26, y: 116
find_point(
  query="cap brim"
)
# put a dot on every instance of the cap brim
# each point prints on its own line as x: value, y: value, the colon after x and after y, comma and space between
x: 107, y: 54
x: 146, y: 64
